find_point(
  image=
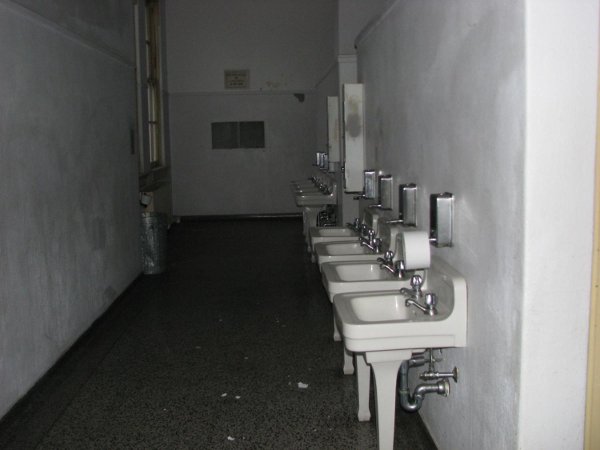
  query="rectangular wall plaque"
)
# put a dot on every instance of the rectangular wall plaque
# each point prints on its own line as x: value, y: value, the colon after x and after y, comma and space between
x: 237, y: 79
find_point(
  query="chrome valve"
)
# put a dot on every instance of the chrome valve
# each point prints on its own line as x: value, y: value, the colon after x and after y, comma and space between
x: 414, y: 295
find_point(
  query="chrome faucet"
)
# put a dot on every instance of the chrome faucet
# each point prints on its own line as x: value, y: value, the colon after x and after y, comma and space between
x: 414, y: 295
x: 371, y: 241
x: 387, y: 263
x: 364, y: 230
x: 367, y: 236
x: 355, y: 226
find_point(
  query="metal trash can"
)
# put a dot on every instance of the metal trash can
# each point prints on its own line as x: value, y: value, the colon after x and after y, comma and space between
x: 153, y: 238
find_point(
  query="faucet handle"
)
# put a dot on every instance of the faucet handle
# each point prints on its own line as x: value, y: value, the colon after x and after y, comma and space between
x: 354, y: 225
x: 416, y: 281
x: 377, y: 242
x: 431, y: 300
x: 388, y: 256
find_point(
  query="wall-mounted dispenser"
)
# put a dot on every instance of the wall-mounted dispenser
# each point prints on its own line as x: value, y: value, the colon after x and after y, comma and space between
x: 325, y: 162
x: 354, y: 137
x: 370, y: 183
x: 441, y: 219
x: 386, y: 187
x: 407, y: 204
x: 319, y: 159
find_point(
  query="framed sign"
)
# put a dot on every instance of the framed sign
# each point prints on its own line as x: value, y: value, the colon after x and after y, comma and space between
x: 237, y: 79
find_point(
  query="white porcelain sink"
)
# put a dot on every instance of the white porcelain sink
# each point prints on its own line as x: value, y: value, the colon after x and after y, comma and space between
x: 356, y: 271
x: 333, y: 232
x: 302, y: 183
x: 316, y: 198
x: 383, y: 332
x: 373, y: 321
x: 342, y: 234
x: 359, y: 276
x: 343, y: 251
x: 306, y: 190
x: 379, y: 309
x: 353, y: 251
x: 345, y: 248
x: 318, y: 235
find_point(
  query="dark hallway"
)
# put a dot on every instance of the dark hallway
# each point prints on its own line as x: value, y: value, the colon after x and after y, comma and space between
x: 209, y: 355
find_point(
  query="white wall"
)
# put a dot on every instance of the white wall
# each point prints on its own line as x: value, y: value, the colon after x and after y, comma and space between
x: 352, y: 17
x: 562, y: 77
x: 287, y: 46
x: 68, y: 181
x: 447, y: 108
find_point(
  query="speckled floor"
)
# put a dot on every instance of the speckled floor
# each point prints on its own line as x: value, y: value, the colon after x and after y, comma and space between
x: 209, y: 355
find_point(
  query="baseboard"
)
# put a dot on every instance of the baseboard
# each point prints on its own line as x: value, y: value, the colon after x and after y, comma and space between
x: 207, y: 218
x: 11, y: 433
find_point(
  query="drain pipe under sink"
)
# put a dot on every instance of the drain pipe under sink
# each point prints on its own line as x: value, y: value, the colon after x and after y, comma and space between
x: 413, y: 403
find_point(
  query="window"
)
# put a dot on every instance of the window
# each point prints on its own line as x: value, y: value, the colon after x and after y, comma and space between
x: 238, y: 135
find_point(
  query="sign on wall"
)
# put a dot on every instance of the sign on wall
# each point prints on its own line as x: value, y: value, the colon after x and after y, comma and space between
x: 237, y: 79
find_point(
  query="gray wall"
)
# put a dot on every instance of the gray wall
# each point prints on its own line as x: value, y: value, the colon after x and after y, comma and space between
x: 287, y: 46
x: 239, y: 181
x: 495, y: 102
x: 68, y: 180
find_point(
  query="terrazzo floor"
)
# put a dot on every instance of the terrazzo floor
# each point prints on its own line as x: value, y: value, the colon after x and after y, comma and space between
x: 209, y: 355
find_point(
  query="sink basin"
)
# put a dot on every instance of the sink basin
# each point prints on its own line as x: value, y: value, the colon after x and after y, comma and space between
x: 319, y: 235
x: 378, y: 321
x: 314, y: 199
x: 353, y: 251
x: 384, y: 333
x: 306, y: 190
x: 368, y: 217
x: 333, y: 232
x: 358, y: 271
x: 302, y: 183
x: 359, y: 276
x: 380, y: 309
x: 343, y: 251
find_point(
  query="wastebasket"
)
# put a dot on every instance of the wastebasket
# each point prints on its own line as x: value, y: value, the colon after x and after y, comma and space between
x: 153, y: 237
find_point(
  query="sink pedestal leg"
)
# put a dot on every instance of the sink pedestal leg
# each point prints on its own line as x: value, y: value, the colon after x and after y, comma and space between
x: 385, y: 371
x: 348, y: 362
x: 309, y: 219
x: 363, y: 382
x: 336, y: 332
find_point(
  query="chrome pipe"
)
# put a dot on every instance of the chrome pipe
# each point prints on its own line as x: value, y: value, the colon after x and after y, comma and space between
x: 413, y: 403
